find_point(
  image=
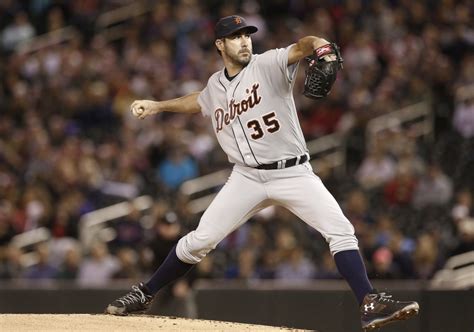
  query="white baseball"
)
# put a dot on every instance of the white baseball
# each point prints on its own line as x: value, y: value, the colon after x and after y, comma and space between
x: 138, y: 110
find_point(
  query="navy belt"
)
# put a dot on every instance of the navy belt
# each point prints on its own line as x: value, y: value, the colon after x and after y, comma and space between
x: 285, y: 163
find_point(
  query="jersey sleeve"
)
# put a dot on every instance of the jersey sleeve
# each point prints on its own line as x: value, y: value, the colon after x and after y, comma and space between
x: 275, y: 64
x: 204, y: 100
x: 290, y: 70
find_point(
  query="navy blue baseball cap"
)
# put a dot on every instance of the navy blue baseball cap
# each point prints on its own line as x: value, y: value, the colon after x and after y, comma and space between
x: 229, y: 25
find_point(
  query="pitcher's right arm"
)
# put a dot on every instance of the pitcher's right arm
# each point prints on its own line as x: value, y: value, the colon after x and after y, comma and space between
x: 185, y: 104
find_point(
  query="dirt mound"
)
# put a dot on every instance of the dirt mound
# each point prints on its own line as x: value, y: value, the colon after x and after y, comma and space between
x: 85, y: 322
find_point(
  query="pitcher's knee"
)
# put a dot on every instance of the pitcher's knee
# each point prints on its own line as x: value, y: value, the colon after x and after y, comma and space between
x: 193, y: 247
x: 343, y: 243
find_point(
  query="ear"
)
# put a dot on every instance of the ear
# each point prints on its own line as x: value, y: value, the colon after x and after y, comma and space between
x: 219, y: 44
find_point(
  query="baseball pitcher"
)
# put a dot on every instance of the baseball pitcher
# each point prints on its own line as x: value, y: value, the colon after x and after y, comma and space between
x: 251, y: 107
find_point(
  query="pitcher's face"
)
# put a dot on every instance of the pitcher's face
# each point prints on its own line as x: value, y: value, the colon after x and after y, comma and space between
x: 238, y: 48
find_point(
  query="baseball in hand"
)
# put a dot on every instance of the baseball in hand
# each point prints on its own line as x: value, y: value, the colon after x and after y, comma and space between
x: 142, y: 108
x: 137, y: 111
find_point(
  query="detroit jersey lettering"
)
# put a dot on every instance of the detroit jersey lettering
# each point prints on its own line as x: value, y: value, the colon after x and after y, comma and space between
x: 254, y: 125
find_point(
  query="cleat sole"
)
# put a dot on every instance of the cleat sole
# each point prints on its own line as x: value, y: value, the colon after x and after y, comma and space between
x: 403, y: 314
x: 111, y: 310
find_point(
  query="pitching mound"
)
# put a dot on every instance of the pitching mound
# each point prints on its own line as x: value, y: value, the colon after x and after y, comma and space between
x: 83, y: 322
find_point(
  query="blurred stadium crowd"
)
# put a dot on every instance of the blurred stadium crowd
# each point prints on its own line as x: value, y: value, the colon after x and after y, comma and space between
x: 68, y: 144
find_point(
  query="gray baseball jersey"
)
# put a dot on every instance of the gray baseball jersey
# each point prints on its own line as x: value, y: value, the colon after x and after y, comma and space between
x: 254, y: 115
x: 255, y: 121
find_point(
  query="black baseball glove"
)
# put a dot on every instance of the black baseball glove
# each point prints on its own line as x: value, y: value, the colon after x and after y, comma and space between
x: 323, y: 66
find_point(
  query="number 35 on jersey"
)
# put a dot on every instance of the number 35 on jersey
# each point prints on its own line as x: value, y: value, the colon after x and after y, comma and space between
x: 270, y: 122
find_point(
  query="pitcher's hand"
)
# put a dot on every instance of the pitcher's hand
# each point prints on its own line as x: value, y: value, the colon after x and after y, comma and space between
x: 142, y: 108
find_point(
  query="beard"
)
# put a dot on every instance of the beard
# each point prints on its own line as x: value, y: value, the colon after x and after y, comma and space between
x: 240, y: 58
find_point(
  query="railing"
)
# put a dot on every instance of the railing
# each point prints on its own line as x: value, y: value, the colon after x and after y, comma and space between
x: 418, y: 118
x: 457, y: 273
x: 93, y: 225
x: 46, y: 40
x: 32, y: 237
x: 200, y: 189
x: 122, y: 14
x: 109, y: 26
x: 328, y: 151
x: 29, y: 239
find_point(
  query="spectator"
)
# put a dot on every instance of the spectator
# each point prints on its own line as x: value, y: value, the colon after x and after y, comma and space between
x: 426, y: 256
x: 398, y: 192
x: 357, y: 209
x: 59, y: 249
x: 327, y: 269
x: 463, y: 206
x: 202, y: 145
x: 11, y: 266
x: 376, y: 169
x: 245, y: 266
x: 19, y: 31
x: 463, y: 120
x: 407, y: 155
x: 70, y: 267
x: 167, y: 233
x: 323, y: 120
x: 402, y: 248
x: 97, y: 269
x: 42, y: 270
x: 129, y: 230
x: 6, y: 229
x: 465, y: 231
x: 205, y: 270
x: 385, y: 228
x: 433, y: 189
x: 237, y: 240
x: 268, y: 264
x: 295, y: 266
x: 177, y: 168
x: 127, y: 258
x: 55, y: 19
x: 383, y: 266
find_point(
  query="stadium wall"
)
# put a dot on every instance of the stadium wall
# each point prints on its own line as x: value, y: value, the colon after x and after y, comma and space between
x: 325, y: 307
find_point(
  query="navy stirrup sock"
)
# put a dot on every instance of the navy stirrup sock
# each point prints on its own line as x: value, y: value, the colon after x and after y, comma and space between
x: 352, y: 268
x: 171, y: 269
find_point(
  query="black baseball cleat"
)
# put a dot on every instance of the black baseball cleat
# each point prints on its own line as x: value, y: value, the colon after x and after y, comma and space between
x: 378, y: 309
x: 137, y: 301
